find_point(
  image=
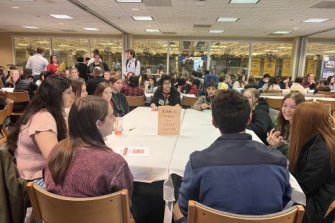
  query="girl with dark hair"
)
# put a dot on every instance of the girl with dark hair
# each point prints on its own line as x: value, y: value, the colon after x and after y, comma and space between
x: 82, y: 165
x: 53, y: 64
x: 40, y: 127
x: 280, y: 138
x: 312, y: 159
x: 151, y: 86
x: 271, y: 85
x: 240, y: 82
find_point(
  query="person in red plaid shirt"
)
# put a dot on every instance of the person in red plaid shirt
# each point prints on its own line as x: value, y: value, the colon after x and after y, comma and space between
x: 132, y: 88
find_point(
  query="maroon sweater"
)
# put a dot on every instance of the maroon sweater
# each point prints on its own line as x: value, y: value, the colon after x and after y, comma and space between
x: 94, y: 172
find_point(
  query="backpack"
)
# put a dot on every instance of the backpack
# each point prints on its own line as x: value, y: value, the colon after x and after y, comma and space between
x: 135, y: 63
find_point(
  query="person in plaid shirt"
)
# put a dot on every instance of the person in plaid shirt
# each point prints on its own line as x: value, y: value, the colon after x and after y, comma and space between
x: 132, y: 88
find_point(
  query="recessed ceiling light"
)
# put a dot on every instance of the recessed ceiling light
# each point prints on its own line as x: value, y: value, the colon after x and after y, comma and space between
x: 30, y: 27
x: 215, y: 31
x: 134, y: 9
x: 15, y: 7
x: 226, y: 19
x: 314, y: 20
x: 296, y: 28
x: 142, y: 18
x: 152, y: 30
x: 243, y: 1
x: 91, y: 29
x: 60, y: 16
x: 61, y: 23
x: 129, y: 1
x: 282, y: 32
x: 22, y: 0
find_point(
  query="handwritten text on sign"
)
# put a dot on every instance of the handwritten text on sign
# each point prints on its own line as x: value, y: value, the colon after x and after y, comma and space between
x: 169, y: 120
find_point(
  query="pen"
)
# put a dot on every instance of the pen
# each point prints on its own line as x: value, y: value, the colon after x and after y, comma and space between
x: 131, y: 129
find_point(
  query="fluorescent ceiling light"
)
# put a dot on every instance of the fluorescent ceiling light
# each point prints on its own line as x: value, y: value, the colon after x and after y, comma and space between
x: 226, y: 19
x: 30, y: 27
x: 215, y: 31
x: 129, y: 1
x: 143, y: 18
x: 91, y: 29
x: 152, y: 30
x: 314, y: 20
x: 15, y: 7
x: 282, y: 32
x: 243, y: 1
x: 60, y: 16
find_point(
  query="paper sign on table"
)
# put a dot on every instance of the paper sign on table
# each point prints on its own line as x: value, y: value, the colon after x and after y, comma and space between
x: 132, y: 151
x: 169, y: 120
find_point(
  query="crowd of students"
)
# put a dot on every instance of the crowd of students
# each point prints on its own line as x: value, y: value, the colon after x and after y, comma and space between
x: 53, y: 145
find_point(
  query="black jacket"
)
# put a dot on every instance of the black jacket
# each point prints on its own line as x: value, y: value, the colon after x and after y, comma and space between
x: 93, y: 83
x: 261, y: 122
x: 172, y: 99
x: 315, y: 178
x: 120, y: 104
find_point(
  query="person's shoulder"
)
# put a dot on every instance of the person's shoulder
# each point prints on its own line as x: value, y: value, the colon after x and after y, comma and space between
x: 43, y: 115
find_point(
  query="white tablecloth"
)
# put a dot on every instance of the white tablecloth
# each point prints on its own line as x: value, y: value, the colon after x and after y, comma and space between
x: 168, y: 154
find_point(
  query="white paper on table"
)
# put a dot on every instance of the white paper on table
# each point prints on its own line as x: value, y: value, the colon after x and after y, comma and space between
x: 132, y: 150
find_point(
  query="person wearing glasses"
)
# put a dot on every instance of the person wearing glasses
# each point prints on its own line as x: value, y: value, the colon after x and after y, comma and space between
x: 165, y: 94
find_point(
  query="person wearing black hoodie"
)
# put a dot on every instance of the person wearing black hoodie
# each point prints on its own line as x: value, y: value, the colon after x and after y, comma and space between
x: 261, y: 122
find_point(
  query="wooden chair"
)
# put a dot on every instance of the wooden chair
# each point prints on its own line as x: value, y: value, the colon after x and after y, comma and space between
x: 327, y: 103
x: 331, y: 207
x: 279, y: 92
x: 3, y: 130
x: 57, y: 209
x: 274, y: 103
x: 135, y: 101
x: 187, y: 102
x: 198, y: 213
x: 326, y: 93
x: 18, y: 97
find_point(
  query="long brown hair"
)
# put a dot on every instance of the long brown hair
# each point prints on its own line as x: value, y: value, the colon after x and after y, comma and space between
x: 84, y: 114
x: 283, y: 124
x: 100, y: 88
x: 49, y: 97
x: 309, y: 119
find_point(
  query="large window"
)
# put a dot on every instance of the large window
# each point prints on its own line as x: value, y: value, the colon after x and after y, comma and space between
x: 152, y: 55
x: 229, y: 58
x: 110, y: 51
x: 68, y: 50
x: 26, y: 46
x: 271, y: 58
x: 188, y: 56
x: 320, y: 59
